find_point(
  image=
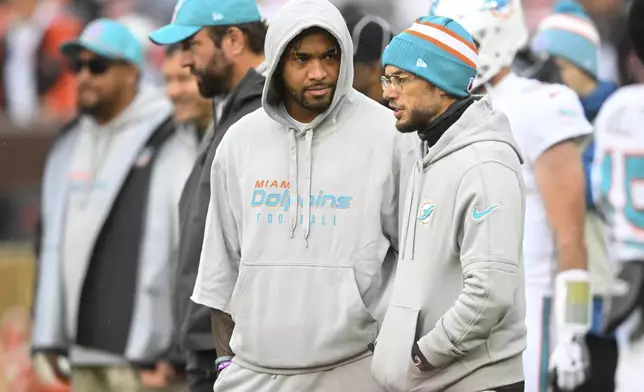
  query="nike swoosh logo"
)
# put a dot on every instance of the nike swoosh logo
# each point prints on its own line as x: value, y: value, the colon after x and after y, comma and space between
x: 478, y: 215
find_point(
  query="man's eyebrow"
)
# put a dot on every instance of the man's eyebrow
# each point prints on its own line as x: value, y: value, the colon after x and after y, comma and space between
x: 298, y: 52
x: 333, y: 50
x: 396, y: 73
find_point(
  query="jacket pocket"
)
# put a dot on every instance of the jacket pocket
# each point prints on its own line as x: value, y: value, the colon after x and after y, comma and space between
x: 392, y: 365
x: 299, y: 316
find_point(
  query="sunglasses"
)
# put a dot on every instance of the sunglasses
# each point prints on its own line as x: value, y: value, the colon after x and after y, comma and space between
x: 96, y: 66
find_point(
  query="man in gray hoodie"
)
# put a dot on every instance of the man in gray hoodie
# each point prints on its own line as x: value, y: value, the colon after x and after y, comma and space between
x: 109, y: 222
x: 302, y: 226
x: 455, y: 320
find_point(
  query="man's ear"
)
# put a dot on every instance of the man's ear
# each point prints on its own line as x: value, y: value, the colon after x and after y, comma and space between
x: 237, y: 40
x: 133, y: 75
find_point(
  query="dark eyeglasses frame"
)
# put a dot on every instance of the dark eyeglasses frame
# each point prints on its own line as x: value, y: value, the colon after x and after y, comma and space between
x: 96, y: 65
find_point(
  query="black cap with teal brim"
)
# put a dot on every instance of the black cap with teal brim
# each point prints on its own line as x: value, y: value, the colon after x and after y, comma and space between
x: 190, y: 16
x: 107, y: 38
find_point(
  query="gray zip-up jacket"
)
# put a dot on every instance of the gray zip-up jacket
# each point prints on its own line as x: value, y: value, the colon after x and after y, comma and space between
x: 117, y: 185
x: 303, y: 220
x: 459, y: 290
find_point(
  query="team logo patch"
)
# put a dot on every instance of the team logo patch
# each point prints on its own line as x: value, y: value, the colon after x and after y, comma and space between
x: 425, y: 212
x: 470, y: 85
x: 144, y: 158
x: 500, y: 8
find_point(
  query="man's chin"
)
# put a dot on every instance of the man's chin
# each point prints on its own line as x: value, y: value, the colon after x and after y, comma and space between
x: 90, y: 110
x: 318, y: 107
x: 210, y: 89
x: 405, y: 127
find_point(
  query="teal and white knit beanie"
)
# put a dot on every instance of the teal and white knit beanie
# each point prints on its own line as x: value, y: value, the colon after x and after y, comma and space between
x: 437, y: 49
x: 570, y: 34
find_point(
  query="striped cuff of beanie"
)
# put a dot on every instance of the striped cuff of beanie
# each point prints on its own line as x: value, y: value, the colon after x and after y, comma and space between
x: 570, y: 37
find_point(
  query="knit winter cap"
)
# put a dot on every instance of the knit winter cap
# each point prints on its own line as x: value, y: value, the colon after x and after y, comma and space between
x: 437, y: 49
x: 570, y: 34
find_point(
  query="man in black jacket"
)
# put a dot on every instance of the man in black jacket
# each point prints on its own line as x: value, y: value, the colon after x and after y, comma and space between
x: 222, y: 44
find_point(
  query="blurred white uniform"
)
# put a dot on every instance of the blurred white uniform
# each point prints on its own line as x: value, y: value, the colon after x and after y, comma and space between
x: 618, y: 189
x: 541, y: 116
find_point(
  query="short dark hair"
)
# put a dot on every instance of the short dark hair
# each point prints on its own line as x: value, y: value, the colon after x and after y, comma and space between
x: 172, y: 49
x: 307, y: 32
x: 635, y: 28
x: 255, y: 33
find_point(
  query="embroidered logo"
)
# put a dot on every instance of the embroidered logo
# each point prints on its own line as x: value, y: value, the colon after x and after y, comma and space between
x: 144, y: 158
x: 425, y: 212
x: 477, y: 215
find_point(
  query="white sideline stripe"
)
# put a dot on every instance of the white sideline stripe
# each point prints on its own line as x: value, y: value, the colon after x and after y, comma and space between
x: 446, y: 39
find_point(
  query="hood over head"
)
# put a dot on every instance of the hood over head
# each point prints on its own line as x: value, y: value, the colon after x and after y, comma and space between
x: 294, y: 17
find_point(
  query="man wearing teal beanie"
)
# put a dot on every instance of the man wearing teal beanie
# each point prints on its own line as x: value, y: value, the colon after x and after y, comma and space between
x: 458, y: 304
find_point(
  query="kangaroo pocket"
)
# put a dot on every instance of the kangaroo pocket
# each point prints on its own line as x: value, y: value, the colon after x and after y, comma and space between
x: 392, y: 365
x: 299, y: 316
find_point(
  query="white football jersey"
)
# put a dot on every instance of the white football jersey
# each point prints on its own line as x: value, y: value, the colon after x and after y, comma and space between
x: 541, y: 115
x: 618, y: 171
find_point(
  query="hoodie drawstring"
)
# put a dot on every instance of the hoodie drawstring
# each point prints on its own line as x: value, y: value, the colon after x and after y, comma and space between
x: 412, y: 210
x: 293, y: 195
x: 305, y: 199
x: 308, y: 138
x: 418, y: 189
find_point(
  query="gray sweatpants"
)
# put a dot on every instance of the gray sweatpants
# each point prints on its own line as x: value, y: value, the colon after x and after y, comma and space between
x: 354, y: 377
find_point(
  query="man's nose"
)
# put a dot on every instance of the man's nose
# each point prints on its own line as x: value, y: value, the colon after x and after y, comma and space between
x: 389, y: 93
x: 317, y: 70
x: 173, y: 90
x: 186, y: 59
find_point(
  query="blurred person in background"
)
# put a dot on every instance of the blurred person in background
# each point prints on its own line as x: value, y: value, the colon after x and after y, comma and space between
x: 617, y: 175
x: 571, y: 39
x: 191, y: 110
x: 35, y: 83
x: 458, y: 303
x: 370, y: 35
x: 108, y: 227
x: 225, y: 55
x: 302, y: 228
x: 549, y: 125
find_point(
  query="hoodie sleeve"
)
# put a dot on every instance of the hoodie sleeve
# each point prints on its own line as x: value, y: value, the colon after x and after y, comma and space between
x: 489, y: 213
x: 221, y: 252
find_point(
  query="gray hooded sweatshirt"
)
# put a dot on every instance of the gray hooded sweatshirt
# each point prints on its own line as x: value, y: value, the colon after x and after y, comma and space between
x: 302, y: 222
x: 87, y: 171
x: 459, y: 290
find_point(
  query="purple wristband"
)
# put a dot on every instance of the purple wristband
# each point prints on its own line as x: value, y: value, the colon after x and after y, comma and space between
x: 223, y: 366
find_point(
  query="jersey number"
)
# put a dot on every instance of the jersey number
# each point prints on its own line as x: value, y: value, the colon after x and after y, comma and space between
x: 633, y: 173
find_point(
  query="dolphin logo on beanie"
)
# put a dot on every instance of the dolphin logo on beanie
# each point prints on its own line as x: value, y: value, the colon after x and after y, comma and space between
x: 437, y: 49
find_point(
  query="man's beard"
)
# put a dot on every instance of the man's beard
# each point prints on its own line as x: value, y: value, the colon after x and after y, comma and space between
x: 97, y: 109
x: 419, y: 120
x: 315, y: 106
x: 210, y: 84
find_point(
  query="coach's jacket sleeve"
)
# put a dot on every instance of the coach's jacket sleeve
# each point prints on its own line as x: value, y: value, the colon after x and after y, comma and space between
x: 490, y: 210
x: 221, y: 253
